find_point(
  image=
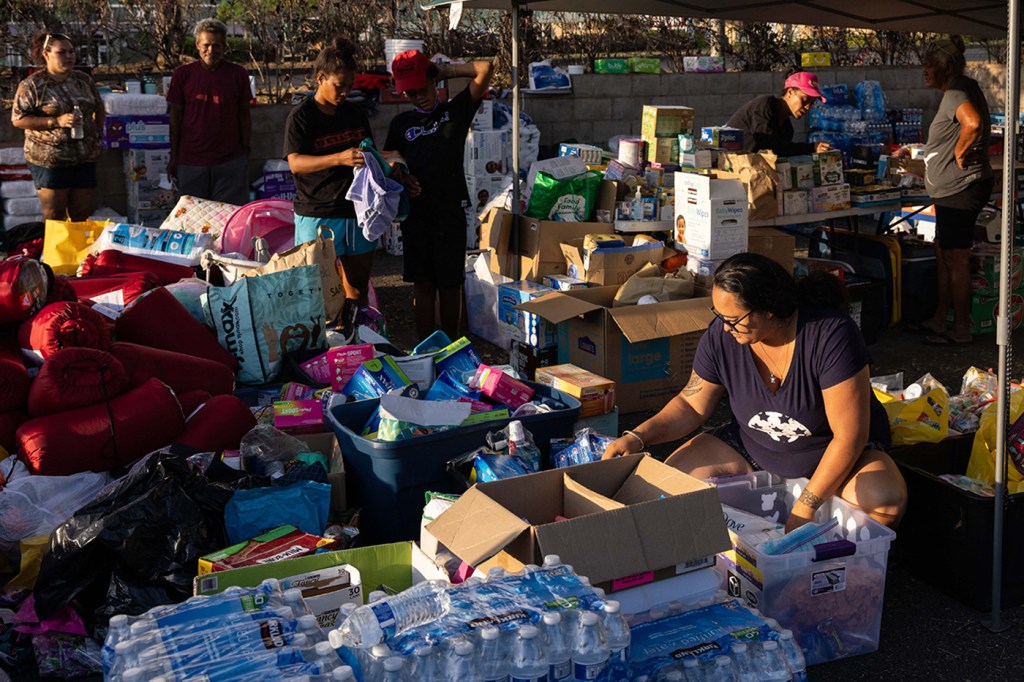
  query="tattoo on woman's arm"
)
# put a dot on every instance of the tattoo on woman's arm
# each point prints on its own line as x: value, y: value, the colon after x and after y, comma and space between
x: 693, y: 386
x: 811, y: 500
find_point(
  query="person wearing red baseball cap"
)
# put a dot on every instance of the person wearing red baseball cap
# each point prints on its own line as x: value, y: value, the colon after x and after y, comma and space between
x: 765, y: 120
x: 430, y: 138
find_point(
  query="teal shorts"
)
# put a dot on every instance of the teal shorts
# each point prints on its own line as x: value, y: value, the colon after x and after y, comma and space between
x: 346, y: 233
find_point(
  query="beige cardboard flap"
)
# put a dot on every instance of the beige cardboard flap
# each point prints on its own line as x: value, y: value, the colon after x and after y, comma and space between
x: 476, y: 527
x: 573, y: 253
x: 580, y: 500
x: 688, y: 527
x: 601, y: 546
x: 651, y: 480
x: 656, y: 321
x: 559, y: 306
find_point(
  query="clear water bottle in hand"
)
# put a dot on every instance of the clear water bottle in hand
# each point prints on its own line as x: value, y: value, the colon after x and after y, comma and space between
x: 589, y: 650
x: 373, y: 623
x: 493, y: 659
x: 794, y: 655
x: 556, y: 645
x: 78, y: 127
x: 529, y: 662
x: 616, y: 631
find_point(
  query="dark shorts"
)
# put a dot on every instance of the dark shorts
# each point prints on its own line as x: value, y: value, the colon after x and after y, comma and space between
x: 82, y: 176
x: 730, y: 435
x: 956, y: 215
x: 434, y: 248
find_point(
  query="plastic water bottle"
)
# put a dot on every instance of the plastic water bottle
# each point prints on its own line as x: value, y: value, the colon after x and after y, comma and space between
x: 117, y: 631
x: 462, y: 666
x: 722, y: 670
x: 693, y: 671
x: 673, y: 675
x: 616, y: 631
x: 557, y: 647
x: 529, y: 662
x: 393, y: 669
x: 551, y: 560
x: 743, y: 663
x: 377, y: 595
x: 657, y: 613
x: 342, y: 673
x: 496, y: 573
x: 676, y: 606
x: 373, y: 623
x: 425, y: 665
x: 794, y: 655
x: 493, y: 661
x: 771, y: 666
x: 589, y: 650
x: 78, y: 127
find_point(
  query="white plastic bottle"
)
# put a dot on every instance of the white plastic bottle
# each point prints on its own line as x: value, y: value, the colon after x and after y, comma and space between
x: 551, y: 560
x: 529, y: 662
x: 693, y: 671
x: 794, y: 655
x: 117, y: 632
x: 342, y: 673
x: 616, y: 631
x: 673, y: 675
x: 374, y: 662
x: 676, y: 606
x: 496, y: 573
x: 657, y: 613
x: 556, y: 645
x: 426, y: 667
x: 589, y: 649
x: 373, y: 623
x: 393, y: 669
x: 78, y: 127
x: 771, y: 665
x: 722, y: 671
x: 462, y: 665
x: 493, y: 658
x: 743, y: 663
x: 376, y: 595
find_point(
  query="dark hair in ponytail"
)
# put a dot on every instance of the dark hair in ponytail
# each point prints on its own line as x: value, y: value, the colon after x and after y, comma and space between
x: 762, y: 285
x: 339, y: 56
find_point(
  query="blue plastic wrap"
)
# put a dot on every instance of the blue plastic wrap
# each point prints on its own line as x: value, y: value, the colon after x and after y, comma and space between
x: 304, y: 505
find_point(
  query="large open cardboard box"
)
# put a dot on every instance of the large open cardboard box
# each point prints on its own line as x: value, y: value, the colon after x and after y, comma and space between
x: 646, y: 350
x: 627, y: 520
x: 612, y: 265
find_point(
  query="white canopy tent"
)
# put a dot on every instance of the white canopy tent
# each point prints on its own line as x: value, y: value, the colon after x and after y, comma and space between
x: 988, y: 18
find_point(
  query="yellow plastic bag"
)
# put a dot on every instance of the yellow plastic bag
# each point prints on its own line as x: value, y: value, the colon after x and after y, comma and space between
x: 924, y: 419
x: 982, y: 465
x: 32, y: 551
x: 66, y: 244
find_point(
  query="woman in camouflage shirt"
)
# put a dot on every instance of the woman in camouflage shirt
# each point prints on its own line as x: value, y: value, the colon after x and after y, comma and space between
x: 63, y: 168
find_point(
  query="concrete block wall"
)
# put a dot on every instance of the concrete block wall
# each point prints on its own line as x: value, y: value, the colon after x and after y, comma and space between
x: 599, y: 107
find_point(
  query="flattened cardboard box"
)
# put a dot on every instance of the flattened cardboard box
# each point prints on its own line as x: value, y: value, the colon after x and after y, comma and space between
x: 646, y: 350
x: 625, y: 516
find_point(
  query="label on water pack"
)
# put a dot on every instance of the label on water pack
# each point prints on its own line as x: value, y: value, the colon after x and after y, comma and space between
x: 587, y: 671
x: 542, y: 678
x: 560, y: 671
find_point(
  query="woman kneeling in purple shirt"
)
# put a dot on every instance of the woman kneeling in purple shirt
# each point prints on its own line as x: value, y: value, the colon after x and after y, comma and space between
x: 795, y: 370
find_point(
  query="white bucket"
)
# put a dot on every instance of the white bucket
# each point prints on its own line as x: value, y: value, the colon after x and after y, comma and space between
x: 396, y: 46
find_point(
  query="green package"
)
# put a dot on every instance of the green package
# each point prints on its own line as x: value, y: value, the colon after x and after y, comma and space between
x: 571, y: 200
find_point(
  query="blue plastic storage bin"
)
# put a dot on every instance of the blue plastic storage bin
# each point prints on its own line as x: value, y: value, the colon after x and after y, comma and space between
x: 388, y: 480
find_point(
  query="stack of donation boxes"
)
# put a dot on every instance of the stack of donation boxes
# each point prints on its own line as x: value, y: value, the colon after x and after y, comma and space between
x: 487, y: 162
x: 711, y: 220
x: 813, y: 184
x: 660, y: 129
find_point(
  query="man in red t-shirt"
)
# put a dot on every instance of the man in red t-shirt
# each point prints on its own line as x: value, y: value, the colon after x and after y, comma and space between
x: 211, y: 130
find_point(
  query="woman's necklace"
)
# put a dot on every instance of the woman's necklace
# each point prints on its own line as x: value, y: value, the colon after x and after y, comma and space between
x: 774, y: 374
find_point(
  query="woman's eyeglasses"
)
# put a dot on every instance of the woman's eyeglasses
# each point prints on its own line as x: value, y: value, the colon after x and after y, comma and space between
x: 54, y: 38
x: 732, y: 325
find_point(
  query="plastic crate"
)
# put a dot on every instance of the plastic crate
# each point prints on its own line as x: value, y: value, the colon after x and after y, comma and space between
x: 388, y: 480
x: 832, y: 605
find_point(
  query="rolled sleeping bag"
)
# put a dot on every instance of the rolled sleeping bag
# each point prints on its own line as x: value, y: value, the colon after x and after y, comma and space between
x: 76, y: 377
x: 191, y: 401
x: 145, y: 419
x: 111, y: 262
x: 67, y: 324
x: 23, y: 288
x: 114, y: 291
x: 14, y: 381
x: 181, y: 372
x: 158, y: 320
x: 9, y: 423
x: 61, y: 290
x: 218, y: 425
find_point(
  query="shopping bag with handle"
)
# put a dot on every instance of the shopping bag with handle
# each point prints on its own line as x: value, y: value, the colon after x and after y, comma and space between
x: 67, y: 243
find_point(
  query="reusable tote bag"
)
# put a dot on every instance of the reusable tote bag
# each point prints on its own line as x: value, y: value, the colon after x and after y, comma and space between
x: 259, y: 319
x: 66, y: 243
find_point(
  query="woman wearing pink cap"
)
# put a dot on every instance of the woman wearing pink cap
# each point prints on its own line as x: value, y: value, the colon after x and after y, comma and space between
x: 765, y: 120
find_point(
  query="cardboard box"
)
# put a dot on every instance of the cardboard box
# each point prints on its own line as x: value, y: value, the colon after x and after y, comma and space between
x: 812, y: 59
x: 481, y: 292
x: 484, y: 119
x: 985, y: 312
x: 703, y: 269
x: 985, y: 269
x: 662, y: 149
x: 646, y: 350
x: 654, y: 516
x: 520, y: 326
x: 495, y: 234
x: 722, y: 137
x: 785, y: 172
x: 611, y: 66
x: 613, y: 265
x: 698, y: 158
x: 526, y: 360
x: 828, y: 167
x: 714, y: 215
x: 802, y: 172
x: 563, y: 282
x: 777, y: 245
x: 704, y: 64
x: 486, y: 152
x: 137, y: 132
x: 481, y: 189
x: 283, y: 542
x: 278, y: 184
x: 830, y: 198
x: 327, y: 445
x: 392, y: 240
x: 644, y: 65
x: 796, y: 202
x: 666, y: 121
x: 595, y: 393
x: 540, y: 244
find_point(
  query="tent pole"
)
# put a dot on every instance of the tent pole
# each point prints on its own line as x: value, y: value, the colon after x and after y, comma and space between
x: 514, y: 237
x: 1003, y: 326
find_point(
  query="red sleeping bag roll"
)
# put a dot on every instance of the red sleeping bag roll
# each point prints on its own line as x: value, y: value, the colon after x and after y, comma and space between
x: 9, y: 423
x: 76, y: 377
x: 61, y: 290
x: 218, y: 425
x: 181, y: 372
x: 145, y: 419
x: 14, y: 381
x: 116, y: 291
x: 112, y: 262
x: 23, y: 288
x: 68, y: 324
x: 159, y: 320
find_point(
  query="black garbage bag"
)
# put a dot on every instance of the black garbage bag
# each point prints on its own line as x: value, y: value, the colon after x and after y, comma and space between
x: 137, y: 544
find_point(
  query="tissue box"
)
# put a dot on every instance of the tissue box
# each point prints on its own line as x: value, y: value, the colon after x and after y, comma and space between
x: 299, y: 416
x: 704, y: 64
